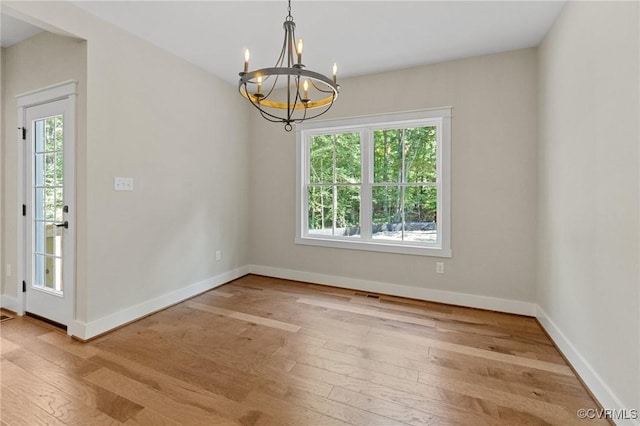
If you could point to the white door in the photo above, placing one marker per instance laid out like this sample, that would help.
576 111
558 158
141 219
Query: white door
49 195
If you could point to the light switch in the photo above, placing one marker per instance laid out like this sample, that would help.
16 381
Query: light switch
122 184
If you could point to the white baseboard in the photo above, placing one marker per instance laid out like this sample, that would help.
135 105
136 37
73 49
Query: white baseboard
449 297
10 303
598 387
91 329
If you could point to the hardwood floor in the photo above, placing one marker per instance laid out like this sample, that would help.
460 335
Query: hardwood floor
263 351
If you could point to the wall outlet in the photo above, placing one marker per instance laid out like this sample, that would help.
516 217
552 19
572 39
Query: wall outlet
8 269
218 255
439 267
122 184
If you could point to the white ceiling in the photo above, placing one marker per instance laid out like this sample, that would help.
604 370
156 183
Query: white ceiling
361 36
13 30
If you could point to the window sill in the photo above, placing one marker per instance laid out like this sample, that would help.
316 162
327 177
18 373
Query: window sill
384 247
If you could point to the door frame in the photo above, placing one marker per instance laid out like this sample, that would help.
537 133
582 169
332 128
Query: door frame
65 90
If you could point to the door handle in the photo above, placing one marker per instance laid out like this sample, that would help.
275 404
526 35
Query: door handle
64 224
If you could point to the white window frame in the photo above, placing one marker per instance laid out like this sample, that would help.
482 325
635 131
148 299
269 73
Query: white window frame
441 117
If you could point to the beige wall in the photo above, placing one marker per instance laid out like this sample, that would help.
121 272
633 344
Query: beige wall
589 246
41 61
180 133
493 179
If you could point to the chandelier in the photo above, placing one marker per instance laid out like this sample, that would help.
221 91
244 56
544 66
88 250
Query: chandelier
308 94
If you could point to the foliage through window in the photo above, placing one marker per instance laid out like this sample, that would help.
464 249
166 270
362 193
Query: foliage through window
376 183
404 192
334 184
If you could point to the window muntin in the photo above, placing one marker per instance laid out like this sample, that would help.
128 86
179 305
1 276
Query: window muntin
376 185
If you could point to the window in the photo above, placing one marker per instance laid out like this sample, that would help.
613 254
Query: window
376 183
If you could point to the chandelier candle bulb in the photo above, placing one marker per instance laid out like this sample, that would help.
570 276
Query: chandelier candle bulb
246 60
259 86
305 86
335 71
300 46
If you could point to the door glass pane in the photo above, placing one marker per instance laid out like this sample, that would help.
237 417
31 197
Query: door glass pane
49 135
39 236
58 132
39 270
38 204
50 240
39 135
59 217
49 272
39 169
48 203
50 168
59 177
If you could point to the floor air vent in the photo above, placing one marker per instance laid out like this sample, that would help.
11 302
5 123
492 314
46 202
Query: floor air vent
371 296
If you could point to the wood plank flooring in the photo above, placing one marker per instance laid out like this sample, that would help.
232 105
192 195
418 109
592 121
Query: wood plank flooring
264 351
